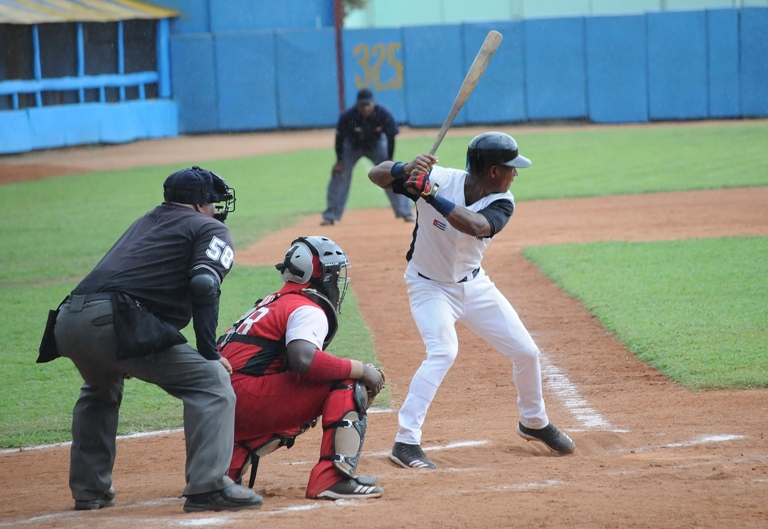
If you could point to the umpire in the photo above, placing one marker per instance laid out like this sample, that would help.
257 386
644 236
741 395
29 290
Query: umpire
123 320
367 129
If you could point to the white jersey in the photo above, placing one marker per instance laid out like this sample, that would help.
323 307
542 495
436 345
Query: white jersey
441 252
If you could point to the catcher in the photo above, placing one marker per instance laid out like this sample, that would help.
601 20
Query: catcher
284 381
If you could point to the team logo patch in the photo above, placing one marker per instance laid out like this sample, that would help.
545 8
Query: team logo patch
440 225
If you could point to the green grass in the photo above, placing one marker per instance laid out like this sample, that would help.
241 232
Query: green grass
596 162
694 309
55 230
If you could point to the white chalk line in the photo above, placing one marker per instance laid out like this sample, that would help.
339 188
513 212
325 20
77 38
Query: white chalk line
704 439
516 487
720 438
449 446
187 521
559 384
136 435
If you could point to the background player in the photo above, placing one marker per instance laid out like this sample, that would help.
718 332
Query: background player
458 214
170 262
284 380
367 129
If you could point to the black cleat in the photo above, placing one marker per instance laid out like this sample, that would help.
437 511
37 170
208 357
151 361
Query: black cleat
351 489
410 456
554 439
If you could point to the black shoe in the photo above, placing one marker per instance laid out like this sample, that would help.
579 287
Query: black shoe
410 456
326 222
553 438
108 500
233 498
351 489
409 218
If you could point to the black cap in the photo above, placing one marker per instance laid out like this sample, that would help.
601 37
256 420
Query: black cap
365 96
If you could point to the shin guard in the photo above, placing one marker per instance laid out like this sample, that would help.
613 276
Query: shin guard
346 428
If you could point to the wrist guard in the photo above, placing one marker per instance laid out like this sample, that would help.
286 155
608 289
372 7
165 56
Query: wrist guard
397 171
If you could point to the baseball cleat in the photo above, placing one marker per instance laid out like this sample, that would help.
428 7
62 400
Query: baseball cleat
108 500
410 456
351 489
232 498
554 439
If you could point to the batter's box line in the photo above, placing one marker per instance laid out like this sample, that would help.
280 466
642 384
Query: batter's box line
449 446
567 392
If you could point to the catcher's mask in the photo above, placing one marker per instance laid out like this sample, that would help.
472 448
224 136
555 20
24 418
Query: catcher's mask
494 148
320 262
199 186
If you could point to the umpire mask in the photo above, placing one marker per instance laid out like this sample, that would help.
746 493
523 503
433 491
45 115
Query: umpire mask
199 186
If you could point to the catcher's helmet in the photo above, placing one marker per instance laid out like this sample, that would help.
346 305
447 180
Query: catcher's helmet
494 148
199 186
320 262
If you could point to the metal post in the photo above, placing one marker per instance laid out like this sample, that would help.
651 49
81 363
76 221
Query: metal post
80 59
338 23
37 65
163 58
120 56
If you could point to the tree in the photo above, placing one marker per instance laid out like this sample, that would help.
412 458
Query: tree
349 5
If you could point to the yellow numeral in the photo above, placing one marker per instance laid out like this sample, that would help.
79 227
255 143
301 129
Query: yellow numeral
380 52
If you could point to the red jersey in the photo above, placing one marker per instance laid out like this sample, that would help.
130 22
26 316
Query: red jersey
258 345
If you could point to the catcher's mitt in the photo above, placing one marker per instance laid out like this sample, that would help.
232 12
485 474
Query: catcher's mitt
371 392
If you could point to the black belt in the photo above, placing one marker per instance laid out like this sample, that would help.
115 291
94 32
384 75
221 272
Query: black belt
474 275
76 301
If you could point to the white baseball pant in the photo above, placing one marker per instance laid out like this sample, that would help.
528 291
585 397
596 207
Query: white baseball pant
436 307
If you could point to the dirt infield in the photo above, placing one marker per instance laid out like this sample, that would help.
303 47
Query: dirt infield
650 453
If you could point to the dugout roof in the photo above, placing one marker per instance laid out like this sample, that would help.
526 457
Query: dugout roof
26 12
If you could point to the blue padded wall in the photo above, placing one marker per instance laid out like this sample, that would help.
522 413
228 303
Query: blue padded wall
193 15
723 60
20 139
307 91
434 71
194 82
499 96
373 58
246 77
616 69
249 15
134 120
66 125
754 65
556 85
45 126
677 65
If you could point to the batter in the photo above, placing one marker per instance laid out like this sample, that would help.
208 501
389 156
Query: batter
458 213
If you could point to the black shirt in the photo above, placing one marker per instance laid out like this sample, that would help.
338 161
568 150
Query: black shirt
364 133
154 258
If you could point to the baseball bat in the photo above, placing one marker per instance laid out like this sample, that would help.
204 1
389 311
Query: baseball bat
479 65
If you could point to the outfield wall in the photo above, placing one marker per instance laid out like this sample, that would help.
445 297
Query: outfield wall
684 65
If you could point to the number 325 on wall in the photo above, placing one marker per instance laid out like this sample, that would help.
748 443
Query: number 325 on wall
371 59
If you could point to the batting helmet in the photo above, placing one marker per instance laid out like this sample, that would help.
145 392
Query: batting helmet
199 186
494 148
320 262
